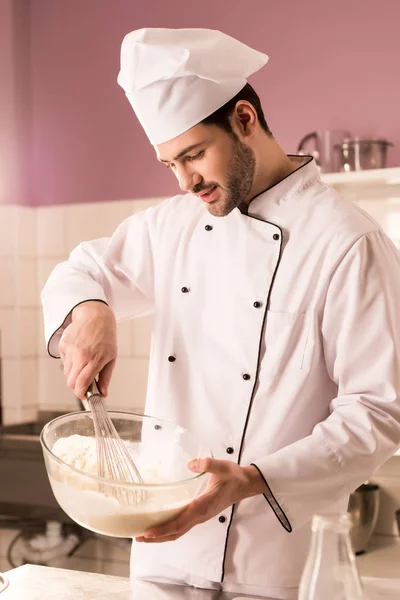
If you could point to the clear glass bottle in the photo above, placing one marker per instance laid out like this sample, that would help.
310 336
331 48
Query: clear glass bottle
330 572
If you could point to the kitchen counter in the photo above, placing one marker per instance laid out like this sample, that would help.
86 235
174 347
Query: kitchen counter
33 582
382 558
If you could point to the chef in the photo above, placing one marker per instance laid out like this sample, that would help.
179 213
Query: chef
277 328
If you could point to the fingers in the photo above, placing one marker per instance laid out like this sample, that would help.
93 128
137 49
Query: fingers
105 377
169 538
67 362
210 465
84 378
88 347
196 512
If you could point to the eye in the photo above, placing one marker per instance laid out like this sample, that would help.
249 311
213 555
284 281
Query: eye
196 156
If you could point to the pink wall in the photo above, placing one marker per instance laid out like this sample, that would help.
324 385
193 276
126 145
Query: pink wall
14 102
332 65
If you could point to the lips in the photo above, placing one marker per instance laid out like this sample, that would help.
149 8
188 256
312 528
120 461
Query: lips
209 195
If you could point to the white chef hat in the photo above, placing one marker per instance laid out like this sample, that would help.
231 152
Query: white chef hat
175 78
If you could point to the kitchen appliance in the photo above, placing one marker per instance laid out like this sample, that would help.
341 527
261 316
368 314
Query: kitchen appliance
356 154
28 494
363 507
320 145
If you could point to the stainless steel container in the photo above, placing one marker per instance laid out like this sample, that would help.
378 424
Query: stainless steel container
356 154
363 507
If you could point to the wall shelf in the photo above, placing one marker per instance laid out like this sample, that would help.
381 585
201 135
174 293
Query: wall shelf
373 177
372 184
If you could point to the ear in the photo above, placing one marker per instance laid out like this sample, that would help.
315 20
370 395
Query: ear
244 119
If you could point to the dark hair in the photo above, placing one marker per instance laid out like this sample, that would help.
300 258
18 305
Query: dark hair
221 116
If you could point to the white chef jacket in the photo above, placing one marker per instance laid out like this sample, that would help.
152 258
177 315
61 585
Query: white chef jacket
276 340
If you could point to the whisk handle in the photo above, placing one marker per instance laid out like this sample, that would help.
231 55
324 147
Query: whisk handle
92 390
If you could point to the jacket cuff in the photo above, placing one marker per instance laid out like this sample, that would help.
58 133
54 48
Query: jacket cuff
55 337
274 504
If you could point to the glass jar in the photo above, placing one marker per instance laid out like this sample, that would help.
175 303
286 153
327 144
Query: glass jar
330 572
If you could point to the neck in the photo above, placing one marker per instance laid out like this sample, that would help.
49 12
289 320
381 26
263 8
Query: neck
272 166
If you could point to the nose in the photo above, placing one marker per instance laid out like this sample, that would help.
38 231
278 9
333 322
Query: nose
186 178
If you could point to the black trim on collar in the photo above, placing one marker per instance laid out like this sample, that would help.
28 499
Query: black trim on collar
253 391
286 176
58 328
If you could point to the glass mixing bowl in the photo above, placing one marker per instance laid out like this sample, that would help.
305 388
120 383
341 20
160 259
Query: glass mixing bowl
161 451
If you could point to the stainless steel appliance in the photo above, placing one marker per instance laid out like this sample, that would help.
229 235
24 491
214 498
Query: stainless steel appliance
356 154
363 507
320 145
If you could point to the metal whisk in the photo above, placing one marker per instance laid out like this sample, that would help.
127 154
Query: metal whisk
114 461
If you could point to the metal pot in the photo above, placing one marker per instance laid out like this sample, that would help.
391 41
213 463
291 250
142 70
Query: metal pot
356 154
320 145
363 507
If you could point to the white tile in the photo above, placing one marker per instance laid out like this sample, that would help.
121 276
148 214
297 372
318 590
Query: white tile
11 383
8 269
142 204
124 338
26 232
26 331
14 414
24 414
9 347
127 390
17 230
141 336
113 214
8 230
53 391
18 332
26 288
51 234
29 413
85 222
20 382
29 387
41 347
44 267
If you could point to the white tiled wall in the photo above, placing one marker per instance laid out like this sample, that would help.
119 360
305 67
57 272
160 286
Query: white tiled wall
18 318
32 242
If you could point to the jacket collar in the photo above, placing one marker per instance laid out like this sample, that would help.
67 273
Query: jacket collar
297 182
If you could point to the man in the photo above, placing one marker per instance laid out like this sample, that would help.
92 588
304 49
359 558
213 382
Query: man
277 328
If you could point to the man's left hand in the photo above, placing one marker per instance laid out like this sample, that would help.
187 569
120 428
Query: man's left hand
228 484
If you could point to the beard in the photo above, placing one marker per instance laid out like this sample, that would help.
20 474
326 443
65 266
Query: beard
241 168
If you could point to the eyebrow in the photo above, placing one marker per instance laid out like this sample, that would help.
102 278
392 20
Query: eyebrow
184 151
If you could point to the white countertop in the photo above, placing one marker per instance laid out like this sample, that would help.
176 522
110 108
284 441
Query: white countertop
379 569
33 582
382 558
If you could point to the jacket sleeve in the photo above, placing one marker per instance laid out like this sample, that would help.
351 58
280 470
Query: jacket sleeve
360 328
117 271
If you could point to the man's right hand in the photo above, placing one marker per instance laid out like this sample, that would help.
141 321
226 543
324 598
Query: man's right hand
88 347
